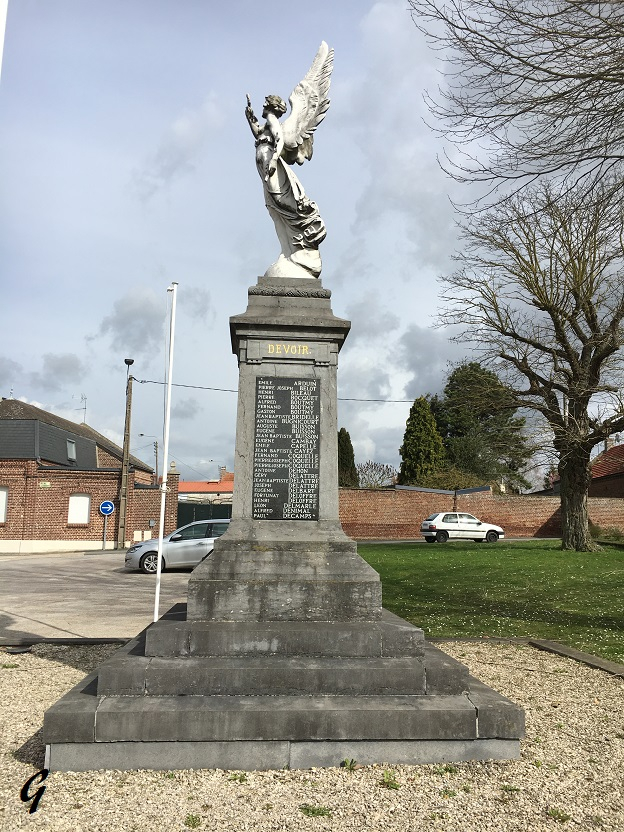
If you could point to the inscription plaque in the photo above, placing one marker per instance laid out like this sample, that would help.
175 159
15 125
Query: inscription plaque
286 449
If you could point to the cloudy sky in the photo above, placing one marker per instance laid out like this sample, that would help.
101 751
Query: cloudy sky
126 163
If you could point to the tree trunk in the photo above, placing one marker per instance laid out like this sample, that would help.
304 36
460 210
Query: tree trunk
575 474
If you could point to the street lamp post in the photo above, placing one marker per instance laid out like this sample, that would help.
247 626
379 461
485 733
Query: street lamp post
125 461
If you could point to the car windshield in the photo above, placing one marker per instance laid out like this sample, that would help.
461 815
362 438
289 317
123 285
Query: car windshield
433 517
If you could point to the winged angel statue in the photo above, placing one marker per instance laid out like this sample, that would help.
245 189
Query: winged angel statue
298 224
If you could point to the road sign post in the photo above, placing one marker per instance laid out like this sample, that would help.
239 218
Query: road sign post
106 509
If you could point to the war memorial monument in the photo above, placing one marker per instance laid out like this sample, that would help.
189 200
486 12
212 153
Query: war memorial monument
284 655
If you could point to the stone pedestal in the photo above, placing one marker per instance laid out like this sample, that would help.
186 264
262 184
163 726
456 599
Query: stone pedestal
284 655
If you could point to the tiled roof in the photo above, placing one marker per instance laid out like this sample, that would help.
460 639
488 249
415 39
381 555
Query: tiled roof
221 487
15 409
609 462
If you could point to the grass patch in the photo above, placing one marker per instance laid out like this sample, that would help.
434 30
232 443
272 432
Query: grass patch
315 811
528 589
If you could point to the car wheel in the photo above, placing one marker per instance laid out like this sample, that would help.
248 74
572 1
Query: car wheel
430 540
442 537
149 563
491 537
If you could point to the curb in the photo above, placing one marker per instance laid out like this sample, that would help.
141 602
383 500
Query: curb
607 666
68 642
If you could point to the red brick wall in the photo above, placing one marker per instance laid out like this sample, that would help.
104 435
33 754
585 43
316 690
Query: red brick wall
107 460
16 475
38 503
146 506
397 515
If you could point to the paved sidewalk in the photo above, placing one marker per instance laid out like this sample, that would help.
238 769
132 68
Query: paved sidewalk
80 595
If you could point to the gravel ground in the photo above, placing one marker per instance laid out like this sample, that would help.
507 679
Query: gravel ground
571 774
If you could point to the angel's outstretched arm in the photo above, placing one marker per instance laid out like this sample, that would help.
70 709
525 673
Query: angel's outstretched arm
252 120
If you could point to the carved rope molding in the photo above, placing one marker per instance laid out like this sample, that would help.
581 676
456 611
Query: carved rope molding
289 293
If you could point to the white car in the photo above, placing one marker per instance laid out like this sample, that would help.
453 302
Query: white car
457 525
186 546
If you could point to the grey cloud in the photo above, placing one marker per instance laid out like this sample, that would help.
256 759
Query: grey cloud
406 185
368 381
58 370
427 354
186 409
10 373
196 302
378 443
370 319
135 325
387 442
179 149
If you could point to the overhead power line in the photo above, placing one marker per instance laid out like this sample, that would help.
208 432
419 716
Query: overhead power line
229 390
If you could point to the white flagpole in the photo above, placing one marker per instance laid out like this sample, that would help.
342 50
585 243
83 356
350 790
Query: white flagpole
163 488
4 7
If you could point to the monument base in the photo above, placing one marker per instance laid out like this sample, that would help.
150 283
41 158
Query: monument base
253 695
284 656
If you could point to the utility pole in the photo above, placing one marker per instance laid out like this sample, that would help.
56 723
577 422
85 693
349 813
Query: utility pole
151 436
125 461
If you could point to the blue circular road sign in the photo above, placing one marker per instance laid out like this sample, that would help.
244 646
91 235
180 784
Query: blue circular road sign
106 508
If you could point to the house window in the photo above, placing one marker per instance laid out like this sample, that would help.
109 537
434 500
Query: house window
71 450
79 508
4 497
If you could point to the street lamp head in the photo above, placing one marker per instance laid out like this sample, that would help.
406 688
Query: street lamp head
129 361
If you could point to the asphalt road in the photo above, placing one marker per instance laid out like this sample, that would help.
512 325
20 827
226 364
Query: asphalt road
80 595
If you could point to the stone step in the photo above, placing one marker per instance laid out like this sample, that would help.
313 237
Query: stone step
231 718
81 716
391 637
264 676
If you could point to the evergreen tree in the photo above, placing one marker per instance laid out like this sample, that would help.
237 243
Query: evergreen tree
347 472
422 451
477 421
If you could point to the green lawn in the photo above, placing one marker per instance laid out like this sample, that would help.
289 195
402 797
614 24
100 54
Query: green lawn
526 589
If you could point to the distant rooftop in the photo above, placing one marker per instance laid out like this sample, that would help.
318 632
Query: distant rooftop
224 485
15 409
609 462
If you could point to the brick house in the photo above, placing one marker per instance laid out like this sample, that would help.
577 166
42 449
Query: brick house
208 491
608 473
54 474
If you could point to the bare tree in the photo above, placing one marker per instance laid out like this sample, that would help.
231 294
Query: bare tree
540 84
376 474
540 290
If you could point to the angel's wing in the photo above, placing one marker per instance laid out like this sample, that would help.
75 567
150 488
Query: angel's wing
308 105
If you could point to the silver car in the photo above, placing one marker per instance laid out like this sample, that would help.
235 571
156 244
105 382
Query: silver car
186 546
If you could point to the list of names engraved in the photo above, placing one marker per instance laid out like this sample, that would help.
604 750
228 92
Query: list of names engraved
286 449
